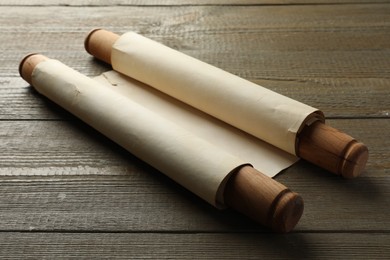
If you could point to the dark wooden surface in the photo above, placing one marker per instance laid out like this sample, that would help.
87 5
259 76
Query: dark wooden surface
67 191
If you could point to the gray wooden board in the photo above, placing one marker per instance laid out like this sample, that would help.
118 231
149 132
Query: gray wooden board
194 246
177 3
67 191
271 42
308 52
65 176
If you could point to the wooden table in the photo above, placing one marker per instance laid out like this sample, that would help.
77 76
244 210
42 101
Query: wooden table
67 191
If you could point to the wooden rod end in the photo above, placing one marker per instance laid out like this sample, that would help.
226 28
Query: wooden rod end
263 199
99 42
354 161
288 211
27 65
333 150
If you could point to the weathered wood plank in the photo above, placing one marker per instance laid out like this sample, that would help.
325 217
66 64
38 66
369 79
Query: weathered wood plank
179 3
64 176
307 61
195 246
301 59
272 42
66 191
153 203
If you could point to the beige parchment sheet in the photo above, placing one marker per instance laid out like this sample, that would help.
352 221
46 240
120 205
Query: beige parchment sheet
266 158
267 115
190 120
194 163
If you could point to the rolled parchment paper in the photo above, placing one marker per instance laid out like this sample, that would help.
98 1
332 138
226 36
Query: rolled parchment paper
190 161
265 114
266 158
208 171
290 125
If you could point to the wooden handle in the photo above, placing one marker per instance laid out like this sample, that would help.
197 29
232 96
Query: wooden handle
333 150
28 64
263 199
248 191
98 43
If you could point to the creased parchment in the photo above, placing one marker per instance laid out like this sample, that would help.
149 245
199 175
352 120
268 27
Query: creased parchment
189 160
190 120
264 157
256 110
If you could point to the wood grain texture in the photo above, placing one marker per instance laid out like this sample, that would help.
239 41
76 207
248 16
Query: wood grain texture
178 3
272 42
195 246
66 176
311 50
67 191
306 52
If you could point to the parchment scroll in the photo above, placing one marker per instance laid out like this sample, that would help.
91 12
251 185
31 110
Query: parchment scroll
189 160
267 115
190 120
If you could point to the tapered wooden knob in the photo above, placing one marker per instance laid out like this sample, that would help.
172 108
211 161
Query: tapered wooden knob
28 64
263 199
99 43
333 150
